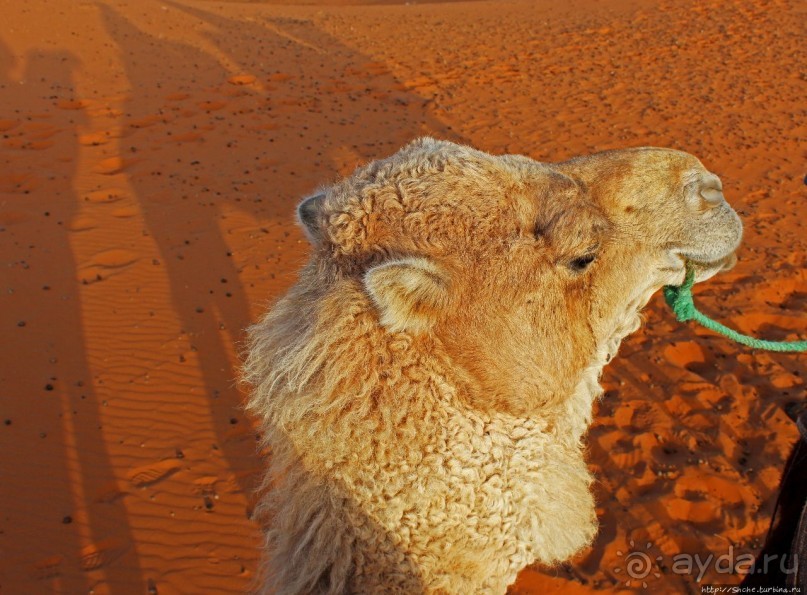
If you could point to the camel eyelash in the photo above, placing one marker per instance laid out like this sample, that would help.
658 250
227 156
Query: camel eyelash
580 264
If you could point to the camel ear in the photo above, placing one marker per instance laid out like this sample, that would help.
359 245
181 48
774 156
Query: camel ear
309 215
576 233
410 293
569 224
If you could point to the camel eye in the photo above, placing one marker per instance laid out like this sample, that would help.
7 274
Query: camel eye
579 265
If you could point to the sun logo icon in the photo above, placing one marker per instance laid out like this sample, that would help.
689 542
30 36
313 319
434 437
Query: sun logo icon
638 565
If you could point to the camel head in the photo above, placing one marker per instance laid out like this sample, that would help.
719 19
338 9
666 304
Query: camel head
525 274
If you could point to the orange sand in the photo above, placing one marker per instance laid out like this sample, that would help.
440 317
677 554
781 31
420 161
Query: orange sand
151 154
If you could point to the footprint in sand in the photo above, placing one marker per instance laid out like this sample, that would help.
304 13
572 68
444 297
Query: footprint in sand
7 125
18 183
211 106
125 212
115 258
108 195
106 263
241 79
102 553
71 104
109 492
667 543
149 474
146 121
280 77
234 481
210 485
205 486
48 567
683 354
23 144
42 131
627 461
698 512
694 485
82 223
95 139
113 165
186 137
239 433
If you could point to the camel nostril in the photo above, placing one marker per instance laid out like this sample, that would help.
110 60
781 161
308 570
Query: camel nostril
712 196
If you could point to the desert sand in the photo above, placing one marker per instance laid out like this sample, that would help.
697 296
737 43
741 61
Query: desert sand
152 153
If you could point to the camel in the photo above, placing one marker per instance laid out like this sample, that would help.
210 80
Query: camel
425 387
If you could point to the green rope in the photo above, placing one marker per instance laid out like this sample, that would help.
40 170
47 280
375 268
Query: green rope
681 302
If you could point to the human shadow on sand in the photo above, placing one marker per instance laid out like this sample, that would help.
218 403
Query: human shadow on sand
304 107
57 534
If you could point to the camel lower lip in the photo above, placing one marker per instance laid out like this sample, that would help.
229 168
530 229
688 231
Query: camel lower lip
729 259
722 262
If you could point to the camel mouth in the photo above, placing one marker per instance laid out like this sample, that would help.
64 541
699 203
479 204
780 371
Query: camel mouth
715 251
708 268
723 263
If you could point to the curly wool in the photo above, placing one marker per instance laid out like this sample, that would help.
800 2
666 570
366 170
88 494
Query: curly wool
384 466
425 387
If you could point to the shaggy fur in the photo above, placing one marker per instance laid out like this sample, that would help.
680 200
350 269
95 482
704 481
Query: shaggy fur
426 385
